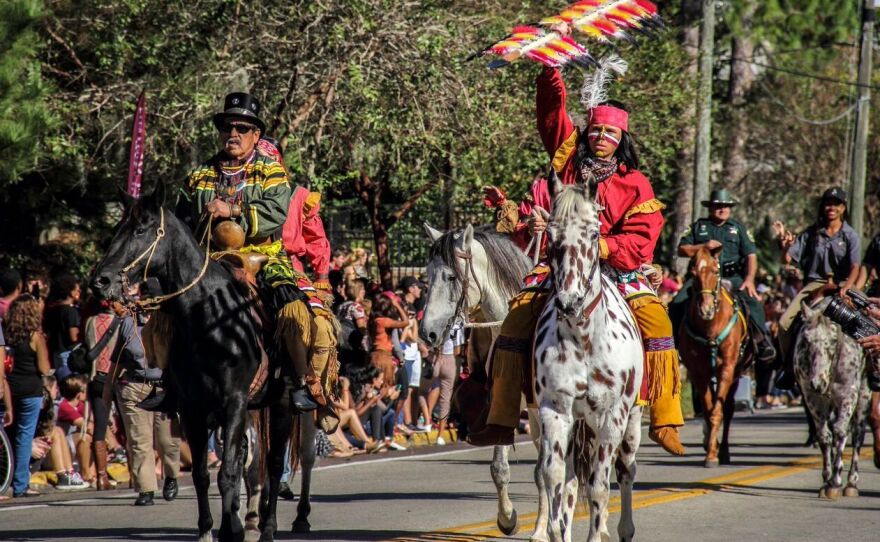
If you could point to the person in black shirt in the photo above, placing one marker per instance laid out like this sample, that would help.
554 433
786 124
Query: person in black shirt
63 321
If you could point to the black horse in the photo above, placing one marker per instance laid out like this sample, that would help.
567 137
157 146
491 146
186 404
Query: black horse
214 355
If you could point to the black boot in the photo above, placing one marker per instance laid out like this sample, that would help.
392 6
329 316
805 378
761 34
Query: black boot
145 498
873 370
765 354
301 400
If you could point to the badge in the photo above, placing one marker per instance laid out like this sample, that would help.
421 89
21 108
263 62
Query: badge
749 235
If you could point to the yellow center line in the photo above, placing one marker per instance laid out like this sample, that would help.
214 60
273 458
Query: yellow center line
641 499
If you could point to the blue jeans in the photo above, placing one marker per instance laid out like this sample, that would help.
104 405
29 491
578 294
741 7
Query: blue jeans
27 412
285 476
61 369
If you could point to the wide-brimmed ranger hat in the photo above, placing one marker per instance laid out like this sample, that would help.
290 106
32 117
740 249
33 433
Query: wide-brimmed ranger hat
720 197
835 193
240 106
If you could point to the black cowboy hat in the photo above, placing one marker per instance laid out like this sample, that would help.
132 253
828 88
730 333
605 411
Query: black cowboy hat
720 197
835 192
243 106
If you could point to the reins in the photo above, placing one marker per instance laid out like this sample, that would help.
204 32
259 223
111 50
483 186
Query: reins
153 303
714 342
460 311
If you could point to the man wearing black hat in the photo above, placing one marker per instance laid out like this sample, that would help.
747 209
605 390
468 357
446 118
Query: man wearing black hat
738 260
829 250
252 190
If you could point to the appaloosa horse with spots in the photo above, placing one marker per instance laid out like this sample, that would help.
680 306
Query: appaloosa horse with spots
711 342
589 372
830 369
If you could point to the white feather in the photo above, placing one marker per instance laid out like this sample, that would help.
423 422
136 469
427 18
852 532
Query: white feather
595 88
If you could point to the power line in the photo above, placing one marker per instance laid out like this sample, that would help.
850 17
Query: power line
802 74
798 116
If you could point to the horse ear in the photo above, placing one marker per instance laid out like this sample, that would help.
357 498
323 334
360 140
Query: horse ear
127 200
554 184
156 199
467 238
432 233
715 252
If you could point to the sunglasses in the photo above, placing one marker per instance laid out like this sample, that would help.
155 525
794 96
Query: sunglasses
240 128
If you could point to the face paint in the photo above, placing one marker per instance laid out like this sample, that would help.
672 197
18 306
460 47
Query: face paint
599 134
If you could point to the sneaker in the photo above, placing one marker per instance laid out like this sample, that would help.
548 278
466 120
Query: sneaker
423 428
441 441
70 481
395 446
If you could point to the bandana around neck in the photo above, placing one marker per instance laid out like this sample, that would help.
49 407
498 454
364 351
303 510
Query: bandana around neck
597 170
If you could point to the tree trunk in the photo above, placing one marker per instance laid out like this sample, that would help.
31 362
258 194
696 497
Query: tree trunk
742 79
681 218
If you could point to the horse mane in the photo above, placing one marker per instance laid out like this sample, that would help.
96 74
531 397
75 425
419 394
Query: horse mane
574 202
507 276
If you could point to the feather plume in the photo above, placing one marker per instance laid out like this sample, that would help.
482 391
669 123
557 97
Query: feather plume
595 88
604 21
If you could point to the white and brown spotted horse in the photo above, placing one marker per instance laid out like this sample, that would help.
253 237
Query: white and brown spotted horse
830 369
589 371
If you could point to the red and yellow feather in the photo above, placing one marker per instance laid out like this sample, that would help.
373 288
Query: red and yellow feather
604 21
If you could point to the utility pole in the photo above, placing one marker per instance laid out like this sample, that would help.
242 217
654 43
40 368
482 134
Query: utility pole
704 108
863 114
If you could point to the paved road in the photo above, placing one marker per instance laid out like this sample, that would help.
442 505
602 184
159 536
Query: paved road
769 494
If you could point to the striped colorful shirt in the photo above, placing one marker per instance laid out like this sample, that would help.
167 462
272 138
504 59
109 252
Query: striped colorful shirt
260 186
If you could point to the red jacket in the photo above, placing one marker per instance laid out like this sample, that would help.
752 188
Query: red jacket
631 219
303 234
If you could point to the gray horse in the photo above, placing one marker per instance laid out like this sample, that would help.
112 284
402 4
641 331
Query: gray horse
830 368
473 274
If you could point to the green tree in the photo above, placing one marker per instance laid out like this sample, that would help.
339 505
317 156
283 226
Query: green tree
24 113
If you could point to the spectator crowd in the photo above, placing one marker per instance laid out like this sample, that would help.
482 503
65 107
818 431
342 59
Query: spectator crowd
75 370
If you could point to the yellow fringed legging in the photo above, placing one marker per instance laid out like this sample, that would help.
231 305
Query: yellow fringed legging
513 352
309 337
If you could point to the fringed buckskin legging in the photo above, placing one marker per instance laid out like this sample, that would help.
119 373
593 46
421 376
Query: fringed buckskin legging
513 352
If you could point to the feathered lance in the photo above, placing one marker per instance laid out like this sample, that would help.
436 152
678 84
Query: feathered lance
138 142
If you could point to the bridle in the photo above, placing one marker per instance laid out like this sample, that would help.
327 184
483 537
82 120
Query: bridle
716 291
153 303
462 303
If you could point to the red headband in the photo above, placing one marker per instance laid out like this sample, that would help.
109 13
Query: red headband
610 116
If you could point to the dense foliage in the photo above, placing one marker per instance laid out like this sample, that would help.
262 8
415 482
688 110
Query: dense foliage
381 90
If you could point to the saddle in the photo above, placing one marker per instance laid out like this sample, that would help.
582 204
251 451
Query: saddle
228 237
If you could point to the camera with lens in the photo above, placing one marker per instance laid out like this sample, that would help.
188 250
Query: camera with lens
853 321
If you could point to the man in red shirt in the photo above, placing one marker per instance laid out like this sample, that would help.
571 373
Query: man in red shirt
631 222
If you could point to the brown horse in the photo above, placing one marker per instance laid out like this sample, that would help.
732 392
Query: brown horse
711 341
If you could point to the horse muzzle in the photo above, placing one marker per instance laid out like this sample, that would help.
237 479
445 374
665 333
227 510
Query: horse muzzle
570 307
707 308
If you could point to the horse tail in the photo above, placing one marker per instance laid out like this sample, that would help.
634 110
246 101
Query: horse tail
260 421
581 435
295 442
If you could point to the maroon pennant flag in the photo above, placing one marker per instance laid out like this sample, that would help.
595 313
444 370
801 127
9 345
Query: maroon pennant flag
138 142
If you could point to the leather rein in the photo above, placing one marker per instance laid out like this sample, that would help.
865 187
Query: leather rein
153 303
460 305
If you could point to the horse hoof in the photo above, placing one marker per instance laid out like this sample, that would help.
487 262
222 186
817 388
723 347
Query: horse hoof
877 460
724 459
514 525
301 526
829 493
711 463
206 537
850 491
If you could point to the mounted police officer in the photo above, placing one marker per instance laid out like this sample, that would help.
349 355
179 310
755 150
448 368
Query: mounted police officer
739 264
